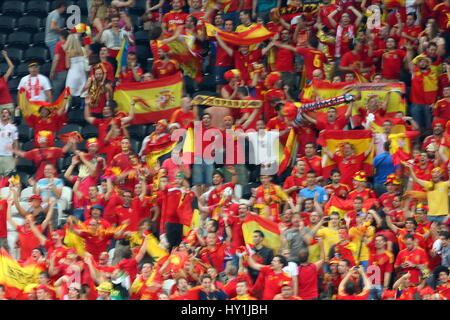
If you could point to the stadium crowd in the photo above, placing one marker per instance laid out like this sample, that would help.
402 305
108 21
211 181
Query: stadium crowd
100 223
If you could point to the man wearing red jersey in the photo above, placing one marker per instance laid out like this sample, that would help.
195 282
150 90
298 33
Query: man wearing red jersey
442 12
286 292
313 58
163 66
48 120
352 61
174 18
312 160
296 181
122 160
441 108
349 163
412 260
391 59
335 187
213 254
131 73
382 260
270 278
246 61
183 116
438 127
411 31
345 30
360 190
332 121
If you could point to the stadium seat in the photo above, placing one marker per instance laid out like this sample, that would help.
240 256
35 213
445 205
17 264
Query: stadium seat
7 24
29 23
82 146
15 54
40 54
3 38
69 128
20 39
45 69
3 68
27 146
26 194
149 129
38 8
142 38
25 165
26 133
137 132
136 22
59 143
63 163
89 131
76 116
13 84
13 8
138 8
21 70
39 40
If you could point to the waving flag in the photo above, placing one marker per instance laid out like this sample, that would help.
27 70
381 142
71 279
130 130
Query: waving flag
29 108
288 152
16 277
248 37
400 148
121 57
334 141
155 99
272 238
341 206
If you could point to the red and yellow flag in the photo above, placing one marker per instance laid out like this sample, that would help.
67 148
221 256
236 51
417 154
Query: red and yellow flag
272 238
16 277
248 37
155 100
334 141
288 152
29 108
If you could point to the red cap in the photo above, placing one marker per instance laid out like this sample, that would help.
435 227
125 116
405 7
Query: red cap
35 197
442 122
165 48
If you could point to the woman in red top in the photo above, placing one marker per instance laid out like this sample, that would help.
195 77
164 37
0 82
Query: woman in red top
5 97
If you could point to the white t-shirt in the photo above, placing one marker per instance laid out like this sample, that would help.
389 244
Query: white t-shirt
8 134
37 93
112 40
265 147
291 269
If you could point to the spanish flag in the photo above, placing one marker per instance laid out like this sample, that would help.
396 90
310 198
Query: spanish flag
155 100
153 249
16 277
337 204
72 240
121 57
334 141
248 37
399 126
400 148
29 108
288 152
188 146
272 238
154 155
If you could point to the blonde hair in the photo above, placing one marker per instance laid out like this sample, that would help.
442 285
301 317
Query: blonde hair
73 46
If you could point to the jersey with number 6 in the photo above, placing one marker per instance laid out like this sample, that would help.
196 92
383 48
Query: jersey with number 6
314 59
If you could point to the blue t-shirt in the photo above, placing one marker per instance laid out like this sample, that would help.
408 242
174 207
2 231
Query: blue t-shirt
384 166
307 193
44 190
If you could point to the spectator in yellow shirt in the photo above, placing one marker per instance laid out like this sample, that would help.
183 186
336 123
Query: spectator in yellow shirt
437 194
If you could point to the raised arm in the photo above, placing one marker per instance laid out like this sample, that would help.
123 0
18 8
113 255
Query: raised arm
8 215
49 215
36 232
10 69
224 46
140 255
21 210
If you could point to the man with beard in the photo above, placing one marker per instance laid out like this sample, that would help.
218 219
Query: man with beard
438 126
99 89
164 66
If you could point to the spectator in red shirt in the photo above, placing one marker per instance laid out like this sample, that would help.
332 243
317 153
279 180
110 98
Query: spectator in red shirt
163 66
99 90
348 162
441 108
333 121
391 59
174 18
308 275
347 288
131 73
